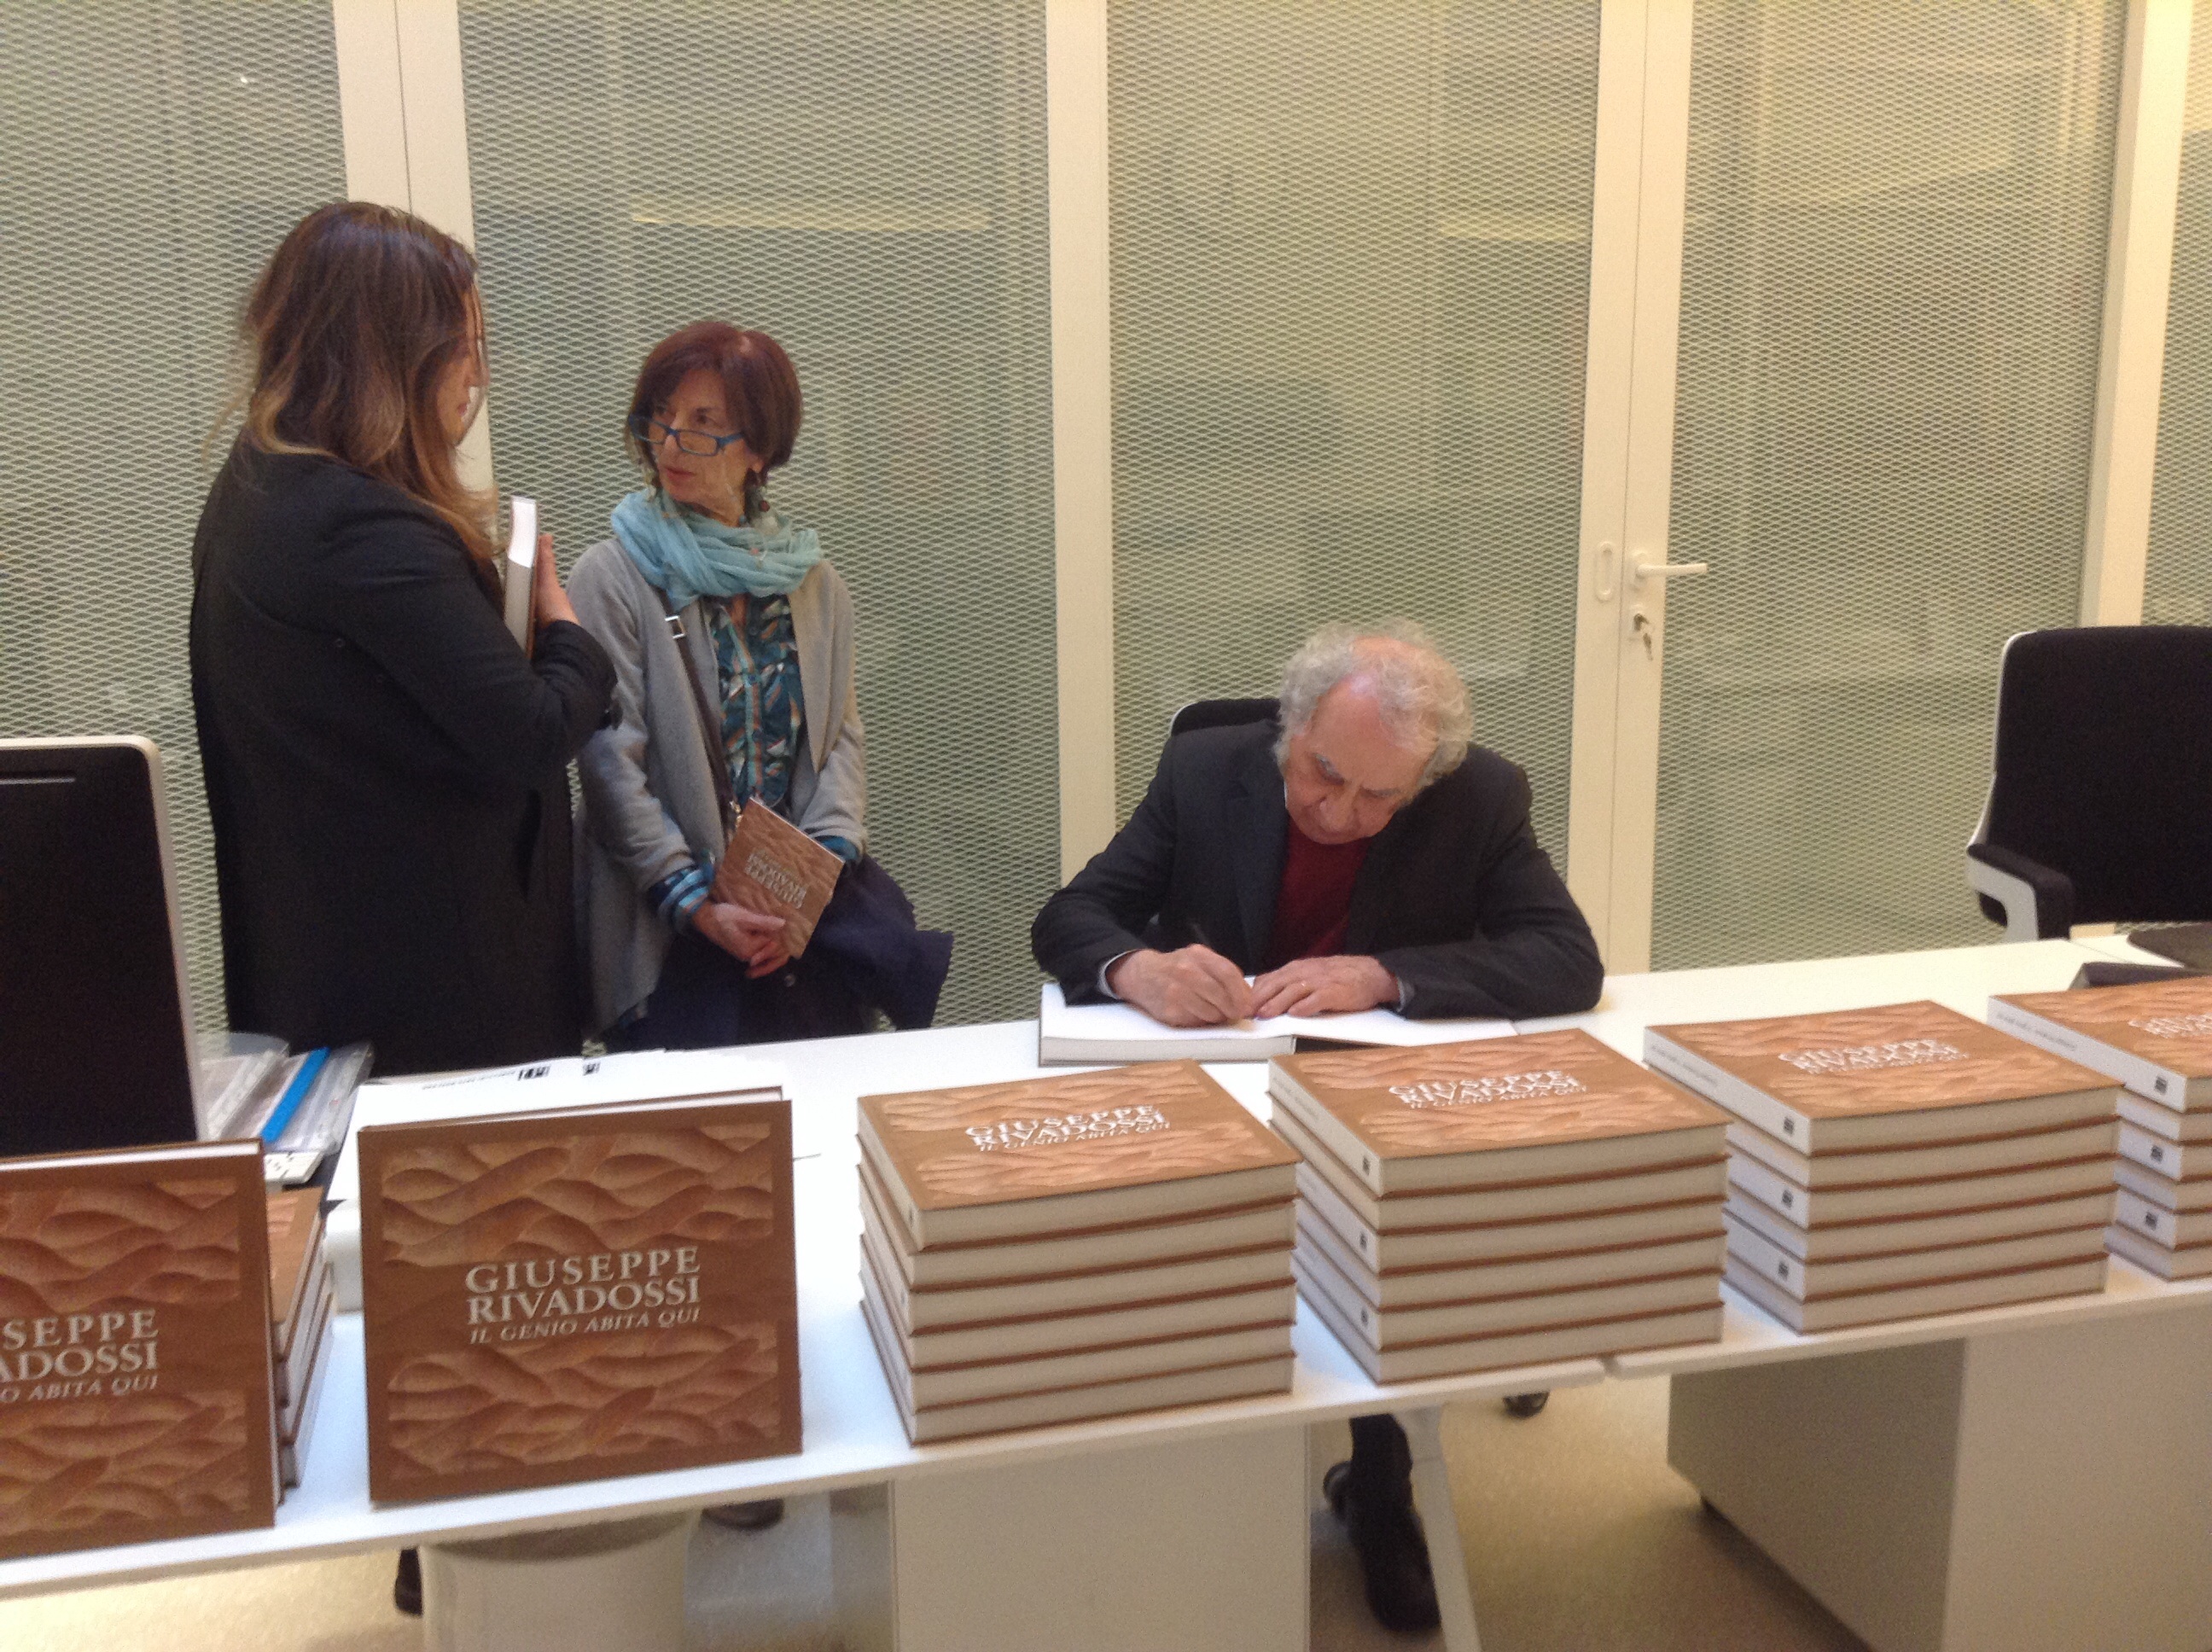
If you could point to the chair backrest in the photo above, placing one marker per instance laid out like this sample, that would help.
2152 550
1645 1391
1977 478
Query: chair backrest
1221 713
2103 767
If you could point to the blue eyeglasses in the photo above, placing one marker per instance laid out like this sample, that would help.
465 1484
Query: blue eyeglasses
700 444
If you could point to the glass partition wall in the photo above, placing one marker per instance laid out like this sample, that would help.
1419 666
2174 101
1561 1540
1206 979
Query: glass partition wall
1351 311
152 155
1892 287
2177 570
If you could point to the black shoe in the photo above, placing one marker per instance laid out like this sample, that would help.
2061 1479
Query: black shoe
1393 1550
755 1516
407 1587
1527 1405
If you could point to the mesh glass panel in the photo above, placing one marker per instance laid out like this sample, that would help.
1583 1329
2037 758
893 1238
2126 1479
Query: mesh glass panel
2178 577
151 157
867 183
1350 252
1892 294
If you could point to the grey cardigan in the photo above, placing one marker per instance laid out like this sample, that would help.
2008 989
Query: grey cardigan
649 802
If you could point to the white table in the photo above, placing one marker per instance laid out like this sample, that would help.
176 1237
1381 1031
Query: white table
2029 1479
1113 1534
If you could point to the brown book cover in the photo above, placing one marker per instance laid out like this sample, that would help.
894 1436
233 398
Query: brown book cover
2155 1038
567 1296
296 1232
1122 1131
770 865
1851 1079
135 1399
1491 1099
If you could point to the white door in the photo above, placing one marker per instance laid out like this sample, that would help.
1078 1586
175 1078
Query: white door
1868 305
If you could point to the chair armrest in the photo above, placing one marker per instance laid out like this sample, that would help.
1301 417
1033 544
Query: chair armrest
2034 901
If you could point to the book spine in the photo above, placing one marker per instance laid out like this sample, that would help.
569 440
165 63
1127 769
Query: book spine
2170 1229
1777 1192
1334 1134
906 1210
2167 1157
1753 1106
521 565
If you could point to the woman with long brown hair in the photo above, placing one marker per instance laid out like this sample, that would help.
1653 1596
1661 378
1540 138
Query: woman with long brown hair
385 768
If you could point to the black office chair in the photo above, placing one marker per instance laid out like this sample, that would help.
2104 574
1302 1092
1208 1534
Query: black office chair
2101 798
1221 713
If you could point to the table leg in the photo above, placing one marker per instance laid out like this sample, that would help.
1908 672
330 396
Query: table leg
2030 1490
617 1587
1432 1499
1197 1545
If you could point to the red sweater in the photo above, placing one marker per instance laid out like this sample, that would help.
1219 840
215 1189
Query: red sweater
1313 902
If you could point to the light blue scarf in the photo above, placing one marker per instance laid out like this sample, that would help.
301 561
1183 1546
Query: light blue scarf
688 555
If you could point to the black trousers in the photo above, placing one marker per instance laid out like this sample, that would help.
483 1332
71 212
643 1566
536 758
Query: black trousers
705 1000
1381 1463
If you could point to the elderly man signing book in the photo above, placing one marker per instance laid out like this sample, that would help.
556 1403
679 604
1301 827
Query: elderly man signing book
1357 852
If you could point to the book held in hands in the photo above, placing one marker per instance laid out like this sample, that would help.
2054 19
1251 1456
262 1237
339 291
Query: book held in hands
1900 1161
1510 1201
135 1398
573 1294
1057 1249
519 603
770 866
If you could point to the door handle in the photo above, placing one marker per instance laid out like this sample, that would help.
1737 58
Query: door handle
1606 578
1666 570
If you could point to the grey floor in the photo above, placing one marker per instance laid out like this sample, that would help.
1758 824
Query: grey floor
1579 1539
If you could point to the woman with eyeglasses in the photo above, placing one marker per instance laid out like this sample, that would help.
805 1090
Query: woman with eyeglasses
387 769
731 636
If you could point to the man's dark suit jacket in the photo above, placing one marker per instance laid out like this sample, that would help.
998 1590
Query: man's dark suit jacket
1455 898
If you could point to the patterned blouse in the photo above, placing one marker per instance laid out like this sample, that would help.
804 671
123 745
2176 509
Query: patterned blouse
764 726
764 716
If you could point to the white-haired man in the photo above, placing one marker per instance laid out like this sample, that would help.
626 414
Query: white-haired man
1356 851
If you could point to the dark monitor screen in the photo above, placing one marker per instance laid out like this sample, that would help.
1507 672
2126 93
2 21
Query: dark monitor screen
95 1046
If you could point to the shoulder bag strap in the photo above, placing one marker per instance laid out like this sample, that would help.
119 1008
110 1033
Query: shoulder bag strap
718 761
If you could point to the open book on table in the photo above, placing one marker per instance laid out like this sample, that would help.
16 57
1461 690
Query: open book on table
1068 1034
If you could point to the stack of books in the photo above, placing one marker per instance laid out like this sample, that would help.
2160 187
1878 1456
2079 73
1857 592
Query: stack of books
1512 1201
1063 1248
300 1301
1893 1163
2156 1040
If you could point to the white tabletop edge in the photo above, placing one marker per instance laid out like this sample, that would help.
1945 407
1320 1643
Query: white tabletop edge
1750 1337
320 1521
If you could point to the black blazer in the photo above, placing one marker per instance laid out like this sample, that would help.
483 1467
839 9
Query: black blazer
1455 898
386 773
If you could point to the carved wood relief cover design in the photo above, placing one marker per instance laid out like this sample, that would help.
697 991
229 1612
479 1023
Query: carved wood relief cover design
131 1364
1093 1130
552 1301
1494 1093
67 1248
485 1409
1893 1058
465 1201
70 1467
2168 1022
